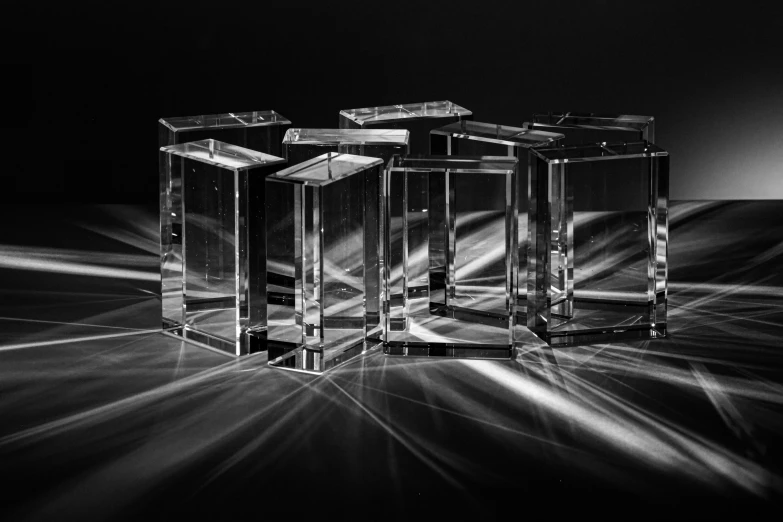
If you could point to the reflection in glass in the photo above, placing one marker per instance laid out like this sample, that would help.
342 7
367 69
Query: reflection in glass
472 258
303 144
419 119
223 255
325 259
582 128
257 130
480 201
599 242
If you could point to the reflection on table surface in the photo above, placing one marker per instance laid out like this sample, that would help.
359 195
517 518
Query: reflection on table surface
104 417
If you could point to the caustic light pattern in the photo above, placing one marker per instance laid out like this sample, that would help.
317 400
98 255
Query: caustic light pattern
98 403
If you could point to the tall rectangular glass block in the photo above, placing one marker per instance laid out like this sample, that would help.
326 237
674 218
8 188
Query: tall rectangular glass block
223 278
303 144
481 203
583 128
419 119
597 269
324 260
261 131
472 281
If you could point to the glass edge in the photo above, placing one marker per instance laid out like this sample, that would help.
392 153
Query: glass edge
167 149
282 120
602 158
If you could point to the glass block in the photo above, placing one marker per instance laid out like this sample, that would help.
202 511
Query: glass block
261 131
223 241
583 128
419 119
469 309
597 267
480 200
303 144
324 260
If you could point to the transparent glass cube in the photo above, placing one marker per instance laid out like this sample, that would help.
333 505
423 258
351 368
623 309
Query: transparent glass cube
223 276
303 144
471 138
419 119
471 254
597 268
324 260
261 131
583 128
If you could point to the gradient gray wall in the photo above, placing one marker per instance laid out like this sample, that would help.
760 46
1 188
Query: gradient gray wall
712 77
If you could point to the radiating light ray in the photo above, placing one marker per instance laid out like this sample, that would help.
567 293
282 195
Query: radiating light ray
99 297
677 451
114 409
721 400
72 255
679 377
399 438
158 458
673 355
143 223
466 416
73 323
721 292
620 434
594 352
699 456
33 259
723 353
245 452
67 330
136 240
681 211
727 318
496 253
758 379
39 344
70 370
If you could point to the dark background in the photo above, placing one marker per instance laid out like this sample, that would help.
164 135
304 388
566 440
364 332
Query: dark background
85 83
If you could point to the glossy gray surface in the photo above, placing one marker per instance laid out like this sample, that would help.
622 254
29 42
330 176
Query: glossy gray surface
103 417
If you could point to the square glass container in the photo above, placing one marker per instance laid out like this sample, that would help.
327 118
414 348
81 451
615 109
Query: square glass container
597 269
471 138
324 259
584 128
470 255
223 275
261 131
303 144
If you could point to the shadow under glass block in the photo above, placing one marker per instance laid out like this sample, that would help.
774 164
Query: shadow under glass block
481 202
223 256
324 258
260 131
303 144
598 262
583 128
471 259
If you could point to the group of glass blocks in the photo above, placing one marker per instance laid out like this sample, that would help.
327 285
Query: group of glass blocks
413 227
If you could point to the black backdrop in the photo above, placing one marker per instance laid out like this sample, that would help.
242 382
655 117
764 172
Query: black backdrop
85 83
